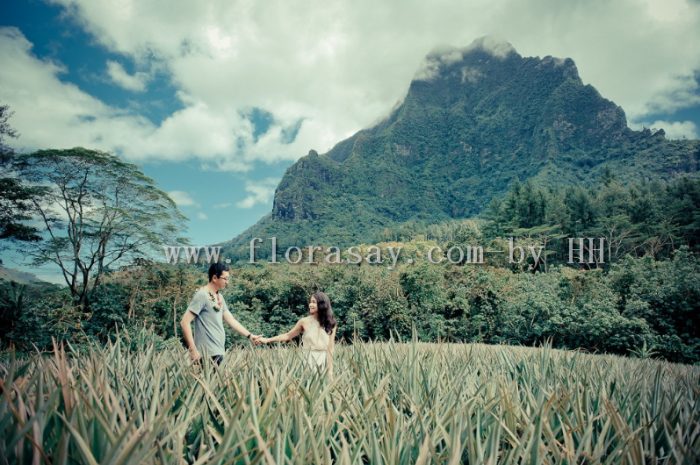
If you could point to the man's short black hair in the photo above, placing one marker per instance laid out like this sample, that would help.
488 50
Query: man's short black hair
216 269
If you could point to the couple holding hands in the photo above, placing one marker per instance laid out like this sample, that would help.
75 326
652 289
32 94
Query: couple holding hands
208 311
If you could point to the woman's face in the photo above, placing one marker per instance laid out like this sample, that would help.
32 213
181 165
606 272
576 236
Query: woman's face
313 307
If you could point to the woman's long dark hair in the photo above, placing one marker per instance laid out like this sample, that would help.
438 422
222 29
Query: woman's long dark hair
324 312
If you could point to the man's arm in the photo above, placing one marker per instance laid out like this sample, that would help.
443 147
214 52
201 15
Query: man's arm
237 326
186 325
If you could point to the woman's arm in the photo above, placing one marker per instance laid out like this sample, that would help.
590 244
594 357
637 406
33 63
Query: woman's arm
331 347
288 336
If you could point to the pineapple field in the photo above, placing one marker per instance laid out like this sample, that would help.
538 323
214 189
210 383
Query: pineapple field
135 401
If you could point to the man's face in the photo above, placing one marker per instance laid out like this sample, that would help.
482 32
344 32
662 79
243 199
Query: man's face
222 281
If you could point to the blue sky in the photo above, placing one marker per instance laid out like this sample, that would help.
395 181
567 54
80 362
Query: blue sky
214 100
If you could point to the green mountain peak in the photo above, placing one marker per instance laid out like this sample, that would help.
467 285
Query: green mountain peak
473 121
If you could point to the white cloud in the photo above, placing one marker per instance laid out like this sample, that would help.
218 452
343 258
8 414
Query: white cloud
673 129
182 199
680 92
220 206
447 55
50 113
261 192
118 75
202 216
499 48
666 10
338 66
471 75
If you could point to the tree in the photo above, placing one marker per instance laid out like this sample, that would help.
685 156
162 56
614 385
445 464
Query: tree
15 197
5 131
98 211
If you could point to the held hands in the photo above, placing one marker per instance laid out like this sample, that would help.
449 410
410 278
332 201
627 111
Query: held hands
259 339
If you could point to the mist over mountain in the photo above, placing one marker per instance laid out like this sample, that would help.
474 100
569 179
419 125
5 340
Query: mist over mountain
473 121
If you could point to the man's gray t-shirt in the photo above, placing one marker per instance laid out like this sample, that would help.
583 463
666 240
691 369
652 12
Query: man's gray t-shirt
209 335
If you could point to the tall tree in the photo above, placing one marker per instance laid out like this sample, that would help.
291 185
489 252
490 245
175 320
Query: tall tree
15 197
5 131
99 211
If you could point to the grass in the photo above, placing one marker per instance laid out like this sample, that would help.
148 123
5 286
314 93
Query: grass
389 403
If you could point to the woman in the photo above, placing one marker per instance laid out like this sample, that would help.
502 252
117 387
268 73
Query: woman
317 330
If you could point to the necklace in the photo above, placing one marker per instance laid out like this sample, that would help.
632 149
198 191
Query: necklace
215 301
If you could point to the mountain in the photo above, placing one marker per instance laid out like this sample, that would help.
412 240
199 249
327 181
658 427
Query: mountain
473 121
20 277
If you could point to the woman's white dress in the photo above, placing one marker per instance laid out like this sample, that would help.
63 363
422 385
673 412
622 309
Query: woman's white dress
314 342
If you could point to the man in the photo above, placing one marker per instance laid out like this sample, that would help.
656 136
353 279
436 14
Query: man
209 311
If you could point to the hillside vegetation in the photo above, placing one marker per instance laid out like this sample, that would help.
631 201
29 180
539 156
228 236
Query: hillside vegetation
472 123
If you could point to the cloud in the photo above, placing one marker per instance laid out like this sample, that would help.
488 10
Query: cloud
495 46
50 113
135 82
680 92
673 129
337 67
261 192
220 206
182 199
202 216
445 55
232 42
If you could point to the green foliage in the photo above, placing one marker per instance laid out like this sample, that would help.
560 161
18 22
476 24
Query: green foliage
15 209
110 213
652 219
109 307
639 305
666 295
15 196
31 315
644 299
